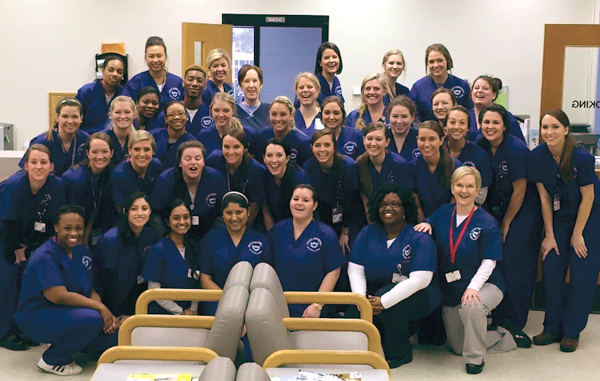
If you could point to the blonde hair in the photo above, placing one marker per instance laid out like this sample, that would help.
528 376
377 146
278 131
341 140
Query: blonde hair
360 122
311 77
124 99
139 136
386 57
217 54
282 99
466 170
228 98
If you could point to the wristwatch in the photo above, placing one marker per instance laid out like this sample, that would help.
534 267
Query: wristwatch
318 306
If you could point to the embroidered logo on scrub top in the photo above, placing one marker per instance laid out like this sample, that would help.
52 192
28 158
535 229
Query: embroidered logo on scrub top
416 153
391 178
313 244
206 121
230 92
349 148
458 91
211 200
338 91
503 167
293 154
406 252
194 275
174 93
475 234
87 262
255 247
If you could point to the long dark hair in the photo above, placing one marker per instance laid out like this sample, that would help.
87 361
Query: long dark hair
126 235
366 185
336 167
291 170
324 46
191 248
493 107
445 166
565 167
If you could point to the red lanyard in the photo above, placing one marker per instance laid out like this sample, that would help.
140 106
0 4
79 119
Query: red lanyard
453 247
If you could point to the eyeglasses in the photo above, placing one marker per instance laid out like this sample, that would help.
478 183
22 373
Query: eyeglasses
179 114
393 205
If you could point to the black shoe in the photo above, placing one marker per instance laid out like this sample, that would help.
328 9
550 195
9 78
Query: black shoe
13 343
521 338
26 340
474 368
398 362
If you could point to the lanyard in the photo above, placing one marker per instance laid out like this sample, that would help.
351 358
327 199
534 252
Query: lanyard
453 247
73 147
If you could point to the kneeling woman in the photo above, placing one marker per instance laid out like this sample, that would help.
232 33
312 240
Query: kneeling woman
58 304
222 248
470 243
173 262
119 258
305 253
393 266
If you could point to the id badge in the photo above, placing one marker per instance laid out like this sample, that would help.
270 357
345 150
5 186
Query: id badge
397 278
336 215
556 202
195 220
39 227
453 276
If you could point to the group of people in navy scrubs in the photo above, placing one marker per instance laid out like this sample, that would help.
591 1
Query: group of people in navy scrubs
426 201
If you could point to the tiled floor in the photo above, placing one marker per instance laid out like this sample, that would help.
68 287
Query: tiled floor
537 363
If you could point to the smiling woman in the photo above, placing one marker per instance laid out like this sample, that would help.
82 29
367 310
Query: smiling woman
372 108
168 140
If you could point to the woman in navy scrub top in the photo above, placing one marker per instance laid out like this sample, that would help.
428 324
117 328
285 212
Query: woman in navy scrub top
65 140
169 139
305 253
252 112
224 247
148 105
394 266
243 173
442 100
139 171
372 108
349 140
403 138
191 180
378 166
514 201
469 244
280 179
438 63
393 65
173 262
87 185
95 97
122 116
570 195
468 153
307 117
218 63
58 304
31 197
170 86
432 170
119 258
485 91
281 119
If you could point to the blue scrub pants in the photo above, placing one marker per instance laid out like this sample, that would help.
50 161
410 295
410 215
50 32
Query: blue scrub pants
519 267
69 330
568 305
10 276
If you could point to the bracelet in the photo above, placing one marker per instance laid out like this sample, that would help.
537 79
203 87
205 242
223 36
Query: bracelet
318 306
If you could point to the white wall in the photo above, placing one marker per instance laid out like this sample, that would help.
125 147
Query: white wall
49 46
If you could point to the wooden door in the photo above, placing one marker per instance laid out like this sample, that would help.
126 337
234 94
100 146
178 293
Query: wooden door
199 39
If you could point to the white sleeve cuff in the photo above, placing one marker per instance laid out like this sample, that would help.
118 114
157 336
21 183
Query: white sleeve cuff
358 281
417 280
168 305
483 273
